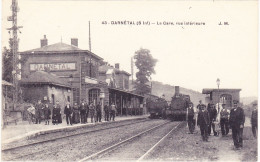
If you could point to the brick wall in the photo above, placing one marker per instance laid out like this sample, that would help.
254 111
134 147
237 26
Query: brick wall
32 93
82 59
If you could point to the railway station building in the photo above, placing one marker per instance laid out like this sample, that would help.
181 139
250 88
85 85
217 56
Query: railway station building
79 70
222 96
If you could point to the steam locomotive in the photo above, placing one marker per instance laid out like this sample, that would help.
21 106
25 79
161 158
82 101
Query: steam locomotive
156 107
178 106
175 111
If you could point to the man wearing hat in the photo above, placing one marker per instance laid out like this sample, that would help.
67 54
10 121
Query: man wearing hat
190 118
224 116
212 118
237 120
254 120
106 109
203 122
199 106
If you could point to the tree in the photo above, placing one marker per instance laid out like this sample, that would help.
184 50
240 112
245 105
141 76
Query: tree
145 63
7 66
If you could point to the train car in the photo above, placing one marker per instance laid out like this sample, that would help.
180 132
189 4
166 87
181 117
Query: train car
178 106
156 107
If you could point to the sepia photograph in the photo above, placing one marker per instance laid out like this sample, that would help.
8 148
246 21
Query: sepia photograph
122 80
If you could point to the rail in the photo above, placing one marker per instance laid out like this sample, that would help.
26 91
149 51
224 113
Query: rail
71 135
120 143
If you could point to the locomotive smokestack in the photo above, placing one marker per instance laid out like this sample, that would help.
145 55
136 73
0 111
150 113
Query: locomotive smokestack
177 90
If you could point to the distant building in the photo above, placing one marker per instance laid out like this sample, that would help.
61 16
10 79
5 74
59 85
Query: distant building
127 103
222 96
114 76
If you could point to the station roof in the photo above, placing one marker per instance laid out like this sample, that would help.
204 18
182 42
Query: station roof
59 48
209 90
5 83
128 92
42 77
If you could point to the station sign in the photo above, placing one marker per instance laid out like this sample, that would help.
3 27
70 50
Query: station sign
90 80
53 66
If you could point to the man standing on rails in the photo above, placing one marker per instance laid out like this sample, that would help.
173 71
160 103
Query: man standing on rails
203 122
190 118
237 120
200 105
254 120
224 116
212 118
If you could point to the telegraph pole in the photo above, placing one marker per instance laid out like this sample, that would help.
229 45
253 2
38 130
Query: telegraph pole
14 46
132 70
89 41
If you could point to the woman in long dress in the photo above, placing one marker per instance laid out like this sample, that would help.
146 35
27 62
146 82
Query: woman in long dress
76 117
56 114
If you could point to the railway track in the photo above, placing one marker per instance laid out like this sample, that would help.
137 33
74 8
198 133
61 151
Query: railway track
61 137
108 149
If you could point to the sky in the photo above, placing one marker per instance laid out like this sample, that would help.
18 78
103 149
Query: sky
190 56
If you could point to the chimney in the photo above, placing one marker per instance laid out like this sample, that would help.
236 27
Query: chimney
177 90
74 42
117 66
44 41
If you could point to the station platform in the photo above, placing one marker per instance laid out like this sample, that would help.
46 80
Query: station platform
24 130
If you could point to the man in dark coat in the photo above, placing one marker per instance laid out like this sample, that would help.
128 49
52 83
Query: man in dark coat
98 107
83 112
113 112
47 114
237 120
203 122
68 113
254 120
87 111
190 118
224 124
38 111
200 105
92 111
212 117
106 109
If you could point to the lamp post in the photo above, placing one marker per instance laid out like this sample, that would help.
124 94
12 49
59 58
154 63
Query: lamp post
218 83
70 80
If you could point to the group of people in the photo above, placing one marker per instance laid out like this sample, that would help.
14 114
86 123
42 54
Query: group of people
209 118
74 114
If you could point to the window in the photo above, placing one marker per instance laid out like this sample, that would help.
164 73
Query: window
126 86
94 95
68 98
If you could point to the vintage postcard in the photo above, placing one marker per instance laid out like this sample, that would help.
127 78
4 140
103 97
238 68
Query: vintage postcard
129 80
